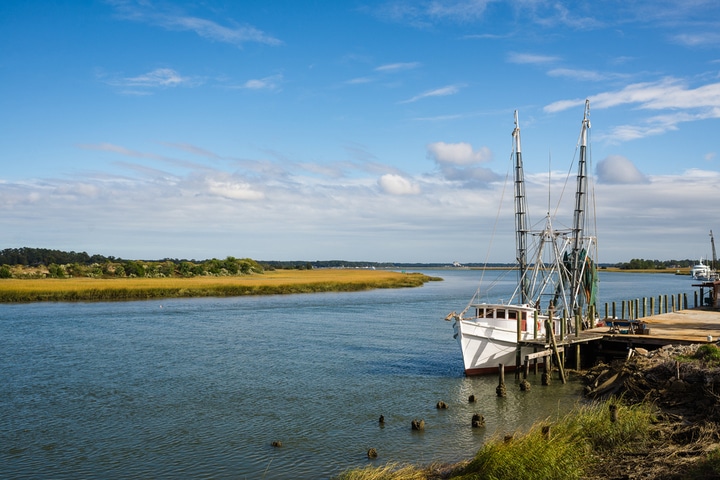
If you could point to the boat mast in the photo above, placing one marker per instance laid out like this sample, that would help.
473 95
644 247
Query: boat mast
580 207
714 258
520 214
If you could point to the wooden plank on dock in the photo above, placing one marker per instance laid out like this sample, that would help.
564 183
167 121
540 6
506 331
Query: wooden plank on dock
544 353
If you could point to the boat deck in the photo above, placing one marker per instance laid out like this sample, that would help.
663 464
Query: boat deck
583 337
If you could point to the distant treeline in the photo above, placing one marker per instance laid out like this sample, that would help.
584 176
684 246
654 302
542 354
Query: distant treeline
642 264
33 257
43 262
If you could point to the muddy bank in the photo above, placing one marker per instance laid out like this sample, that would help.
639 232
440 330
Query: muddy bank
683 383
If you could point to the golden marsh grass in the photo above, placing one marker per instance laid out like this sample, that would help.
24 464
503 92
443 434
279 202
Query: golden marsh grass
269 283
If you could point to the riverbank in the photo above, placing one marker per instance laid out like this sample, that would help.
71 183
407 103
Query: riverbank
655 416
269 283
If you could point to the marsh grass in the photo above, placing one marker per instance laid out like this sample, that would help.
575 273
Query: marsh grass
390 471
269 283
567 451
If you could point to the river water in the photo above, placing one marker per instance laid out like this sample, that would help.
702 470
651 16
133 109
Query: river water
201 387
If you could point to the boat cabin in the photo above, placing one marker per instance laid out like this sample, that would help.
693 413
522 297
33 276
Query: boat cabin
505 312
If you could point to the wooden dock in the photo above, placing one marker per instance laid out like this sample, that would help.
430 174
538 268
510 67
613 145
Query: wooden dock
697 325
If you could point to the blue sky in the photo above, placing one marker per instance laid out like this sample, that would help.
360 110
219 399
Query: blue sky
358 130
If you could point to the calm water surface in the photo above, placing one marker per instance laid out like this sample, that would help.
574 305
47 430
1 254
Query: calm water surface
201 387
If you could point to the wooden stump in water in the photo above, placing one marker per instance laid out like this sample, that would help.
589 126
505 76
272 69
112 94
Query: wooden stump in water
478 421
500 390
613 413
524 385
418 425
471 399
441 405
372 453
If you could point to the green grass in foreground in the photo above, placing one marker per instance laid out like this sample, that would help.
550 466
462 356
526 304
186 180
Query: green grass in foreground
567 451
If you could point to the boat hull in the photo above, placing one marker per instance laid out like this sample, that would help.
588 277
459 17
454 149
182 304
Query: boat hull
486 346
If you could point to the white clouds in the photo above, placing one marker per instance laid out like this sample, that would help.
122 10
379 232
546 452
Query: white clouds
667 93
616 169
530 58
209 212
398 185
696 39
424 13
458 153
141 11
459 162
160 77
267 83
146 83
397 67
233 189
582 75
684 104
438 92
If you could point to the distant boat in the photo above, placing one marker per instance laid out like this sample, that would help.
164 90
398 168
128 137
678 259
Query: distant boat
702 272
557 279
706 273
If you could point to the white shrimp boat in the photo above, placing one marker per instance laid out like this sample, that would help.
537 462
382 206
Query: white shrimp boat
557 281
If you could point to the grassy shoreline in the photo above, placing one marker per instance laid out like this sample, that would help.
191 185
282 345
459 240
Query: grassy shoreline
270 283
654 415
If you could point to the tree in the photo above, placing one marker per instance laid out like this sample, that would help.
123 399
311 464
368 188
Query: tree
5 272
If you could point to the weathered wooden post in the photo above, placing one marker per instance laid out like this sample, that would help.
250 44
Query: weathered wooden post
500 390
535 324
518 351
685 301
695 299
613 310
578 363
578 323
555 349
545 379
672 302
613 413
644 307
606 310
563 332
667 305
652 306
